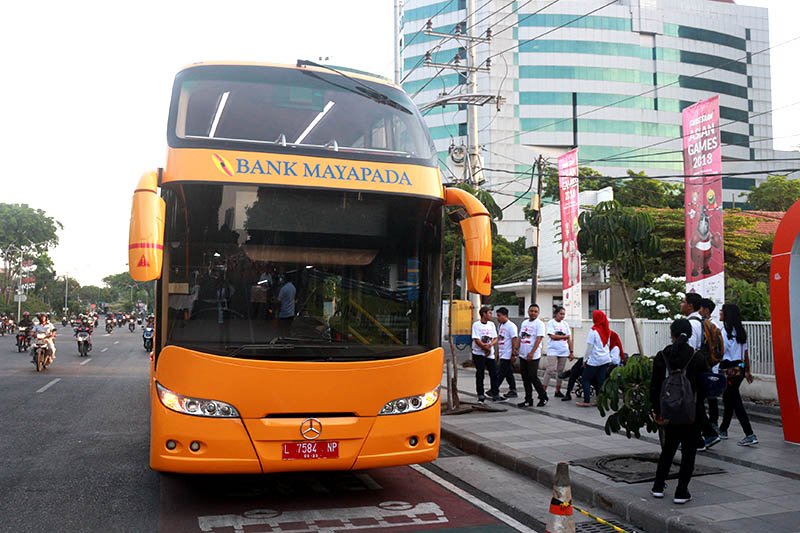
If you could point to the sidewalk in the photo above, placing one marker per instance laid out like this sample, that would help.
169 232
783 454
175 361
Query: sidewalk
759 491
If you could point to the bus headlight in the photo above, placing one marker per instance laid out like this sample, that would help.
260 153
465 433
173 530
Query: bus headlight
411 404
195 406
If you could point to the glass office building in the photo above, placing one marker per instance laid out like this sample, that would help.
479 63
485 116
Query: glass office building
613 82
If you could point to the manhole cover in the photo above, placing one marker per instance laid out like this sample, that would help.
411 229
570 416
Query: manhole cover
637 468
597 527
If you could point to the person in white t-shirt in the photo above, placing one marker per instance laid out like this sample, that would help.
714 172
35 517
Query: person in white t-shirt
507 351
597 356
559 348
484 338
736 365
531 336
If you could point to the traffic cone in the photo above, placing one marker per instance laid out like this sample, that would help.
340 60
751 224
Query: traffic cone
561 519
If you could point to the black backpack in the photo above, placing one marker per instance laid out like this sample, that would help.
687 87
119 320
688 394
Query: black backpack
678 401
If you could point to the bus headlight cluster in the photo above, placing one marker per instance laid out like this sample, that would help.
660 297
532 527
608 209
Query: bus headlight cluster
411 404
195 406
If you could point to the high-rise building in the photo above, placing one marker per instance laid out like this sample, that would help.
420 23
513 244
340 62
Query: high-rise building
611 78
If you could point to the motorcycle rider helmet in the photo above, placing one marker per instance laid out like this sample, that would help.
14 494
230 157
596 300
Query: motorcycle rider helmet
26 314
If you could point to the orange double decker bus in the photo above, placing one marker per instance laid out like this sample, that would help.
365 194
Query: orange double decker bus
295 235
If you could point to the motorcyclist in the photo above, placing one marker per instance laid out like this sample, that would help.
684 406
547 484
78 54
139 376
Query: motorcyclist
86 326
26 321
44 326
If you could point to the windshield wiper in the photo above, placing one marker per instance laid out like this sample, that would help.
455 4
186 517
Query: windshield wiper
360 88
237 352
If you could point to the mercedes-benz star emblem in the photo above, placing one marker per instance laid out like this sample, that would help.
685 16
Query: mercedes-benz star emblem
311 428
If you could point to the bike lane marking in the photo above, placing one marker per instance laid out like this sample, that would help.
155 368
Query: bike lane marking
477 502
384 499
49 385
86 361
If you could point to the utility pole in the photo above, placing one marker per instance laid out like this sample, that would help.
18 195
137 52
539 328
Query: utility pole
398 41
66 292
536 207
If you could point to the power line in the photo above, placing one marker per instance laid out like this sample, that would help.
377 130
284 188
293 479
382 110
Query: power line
552 29
408 43
685 135
613 104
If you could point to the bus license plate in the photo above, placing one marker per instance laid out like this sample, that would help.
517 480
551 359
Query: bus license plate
311 450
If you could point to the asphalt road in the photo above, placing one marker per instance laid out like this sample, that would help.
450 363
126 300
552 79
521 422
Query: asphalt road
74 457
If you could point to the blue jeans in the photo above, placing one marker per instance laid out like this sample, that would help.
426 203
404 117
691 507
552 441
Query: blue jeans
596 374
483 364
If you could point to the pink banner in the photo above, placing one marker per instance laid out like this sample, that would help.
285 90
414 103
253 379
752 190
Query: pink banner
570 258
702 163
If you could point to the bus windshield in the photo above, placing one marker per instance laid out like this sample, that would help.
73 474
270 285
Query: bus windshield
297 110
302 275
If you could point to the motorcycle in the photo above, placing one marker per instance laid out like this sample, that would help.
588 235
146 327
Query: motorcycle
23 339
2 328
41 352
64 321
84 342
147 336
109 326
11 327
131 325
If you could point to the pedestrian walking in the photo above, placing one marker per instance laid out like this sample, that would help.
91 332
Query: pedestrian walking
559 348
597 356
707 307
690 306
484 338
507 351
684 366
531 335
736 366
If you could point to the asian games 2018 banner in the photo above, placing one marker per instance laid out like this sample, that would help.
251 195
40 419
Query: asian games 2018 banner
702 163
571 258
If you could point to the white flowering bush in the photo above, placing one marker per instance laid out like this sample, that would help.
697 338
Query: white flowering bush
661 299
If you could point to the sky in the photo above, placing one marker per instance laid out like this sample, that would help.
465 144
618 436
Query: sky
87 85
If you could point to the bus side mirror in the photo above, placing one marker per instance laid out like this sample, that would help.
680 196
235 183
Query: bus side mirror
477 230
146 236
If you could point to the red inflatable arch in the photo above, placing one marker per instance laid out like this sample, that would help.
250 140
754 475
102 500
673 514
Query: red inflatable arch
785 308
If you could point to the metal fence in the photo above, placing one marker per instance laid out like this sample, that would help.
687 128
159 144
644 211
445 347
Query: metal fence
655 336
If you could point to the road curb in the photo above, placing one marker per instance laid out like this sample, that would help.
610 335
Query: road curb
637 511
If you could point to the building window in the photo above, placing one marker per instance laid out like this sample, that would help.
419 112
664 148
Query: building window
521 306
594 302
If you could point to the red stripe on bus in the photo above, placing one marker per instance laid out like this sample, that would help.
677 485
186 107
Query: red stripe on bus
146 245
480 263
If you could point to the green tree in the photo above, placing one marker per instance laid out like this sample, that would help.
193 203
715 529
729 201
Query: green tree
752 299
124 290
620 239
777 193
747 251
24 232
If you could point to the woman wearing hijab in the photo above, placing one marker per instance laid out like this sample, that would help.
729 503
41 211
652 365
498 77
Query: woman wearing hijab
678 355
597 356
615 350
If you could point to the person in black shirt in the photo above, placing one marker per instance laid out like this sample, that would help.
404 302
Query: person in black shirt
679 355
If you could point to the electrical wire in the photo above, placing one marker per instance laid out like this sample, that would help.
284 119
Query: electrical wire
552 30
408 43
613 104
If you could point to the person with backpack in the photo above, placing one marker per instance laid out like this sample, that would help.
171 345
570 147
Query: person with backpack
736 366
701 341
673 394
707 307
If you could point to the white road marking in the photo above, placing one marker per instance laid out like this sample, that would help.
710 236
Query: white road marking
473 500
104 349
116 342
86 361
49 385
330 520
107 335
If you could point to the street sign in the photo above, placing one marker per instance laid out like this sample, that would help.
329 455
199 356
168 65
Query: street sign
20 298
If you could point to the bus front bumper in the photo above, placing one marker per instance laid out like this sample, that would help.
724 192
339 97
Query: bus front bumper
252 446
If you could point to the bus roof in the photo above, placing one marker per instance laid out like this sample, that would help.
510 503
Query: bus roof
354 73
